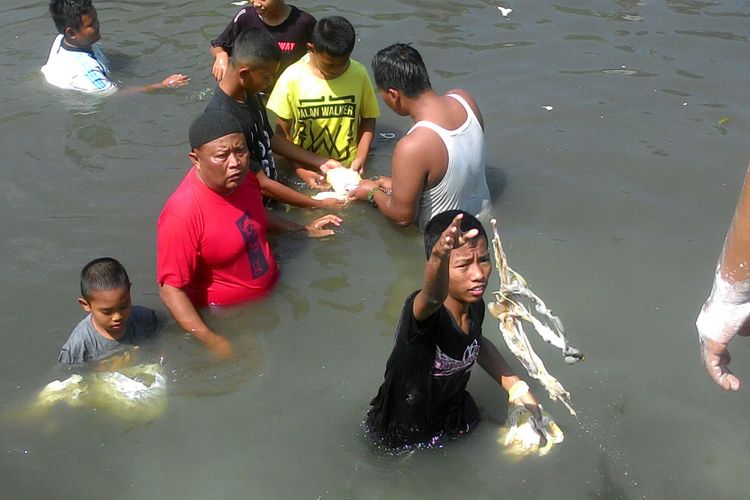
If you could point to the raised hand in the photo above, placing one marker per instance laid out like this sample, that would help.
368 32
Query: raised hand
453 238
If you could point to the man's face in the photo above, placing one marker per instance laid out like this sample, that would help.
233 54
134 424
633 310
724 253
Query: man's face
330 67
223 163
88 33
259 77
110 310
470 266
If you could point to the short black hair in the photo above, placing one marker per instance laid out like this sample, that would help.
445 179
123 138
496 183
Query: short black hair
440 223
68 13
333 35
104 273
253 46
399 66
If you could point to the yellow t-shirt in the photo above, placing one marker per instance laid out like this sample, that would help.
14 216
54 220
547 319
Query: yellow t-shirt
325 113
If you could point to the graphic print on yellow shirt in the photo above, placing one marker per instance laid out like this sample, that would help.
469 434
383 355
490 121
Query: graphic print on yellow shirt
325 113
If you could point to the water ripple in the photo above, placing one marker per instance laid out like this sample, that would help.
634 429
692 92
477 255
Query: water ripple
720 35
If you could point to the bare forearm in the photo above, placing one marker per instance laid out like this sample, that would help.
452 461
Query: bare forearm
278 224
184 313
401 214
436 280
735 259
493 363
286 148
366 134
285 194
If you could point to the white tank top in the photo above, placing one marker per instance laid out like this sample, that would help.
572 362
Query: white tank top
464 185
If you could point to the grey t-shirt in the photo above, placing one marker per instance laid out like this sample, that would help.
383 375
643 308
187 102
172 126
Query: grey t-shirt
86 344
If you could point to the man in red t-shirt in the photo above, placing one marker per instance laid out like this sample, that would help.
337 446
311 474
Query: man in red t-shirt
211 235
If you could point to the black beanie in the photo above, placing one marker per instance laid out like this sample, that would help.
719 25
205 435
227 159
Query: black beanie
212 125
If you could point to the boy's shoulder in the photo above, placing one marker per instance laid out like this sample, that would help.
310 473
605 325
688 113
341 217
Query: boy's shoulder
301 16
80 342
144 317
77 69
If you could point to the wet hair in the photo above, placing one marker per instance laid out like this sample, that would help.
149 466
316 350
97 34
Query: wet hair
68 13
333 35
254 46
104 273
399 66
440 223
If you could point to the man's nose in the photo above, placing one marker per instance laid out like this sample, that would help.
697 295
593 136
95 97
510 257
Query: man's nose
234 160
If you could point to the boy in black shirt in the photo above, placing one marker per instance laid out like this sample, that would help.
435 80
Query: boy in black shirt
251 68
439 337
288 25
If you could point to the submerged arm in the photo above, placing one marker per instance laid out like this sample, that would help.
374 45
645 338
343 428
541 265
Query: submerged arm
187 317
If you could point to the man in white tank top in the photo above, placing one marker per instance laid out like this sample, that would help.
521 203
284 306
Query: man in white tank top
439 164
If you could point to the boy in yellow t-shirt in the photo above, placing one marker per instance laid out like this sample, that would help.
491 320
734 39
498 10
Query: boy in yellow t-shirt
325 102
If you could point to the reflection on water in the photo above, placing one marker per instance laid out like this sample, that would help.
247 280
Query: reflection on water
615 203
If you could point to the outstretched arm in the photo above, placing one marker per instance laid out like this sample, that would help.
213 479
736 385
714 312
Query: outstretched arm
174 81
316 229
726 312
409 175
278 191
187 317
286 148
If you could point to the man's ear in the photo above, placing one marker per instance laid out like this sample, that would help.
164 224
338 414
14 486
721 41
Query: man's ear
243 72
194 158
393 94
310 47
84 304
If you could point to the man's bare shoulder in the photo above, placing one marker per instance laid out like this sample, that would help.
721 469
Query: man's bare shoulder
414 144
470 101
463 93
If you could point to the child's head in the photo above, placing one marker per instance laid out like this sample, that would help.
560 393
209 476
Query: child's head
77 20
330 46
400 67
470 264
105 293
255 58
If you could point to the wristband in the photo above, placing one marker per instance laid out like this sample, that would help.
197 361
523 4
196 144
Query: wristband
517 390
371 197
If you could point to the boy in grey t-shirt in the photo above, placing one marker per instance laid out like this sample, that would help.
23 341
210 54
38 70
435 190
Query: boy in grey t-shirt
113 321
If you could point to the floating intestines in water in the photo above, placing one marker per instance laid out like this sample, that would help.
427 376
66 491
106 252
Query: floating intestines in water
511 312
342 180
137 392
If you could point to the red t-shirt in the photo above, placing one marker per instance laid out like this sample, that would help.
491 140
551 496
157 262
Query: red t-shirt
214 247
